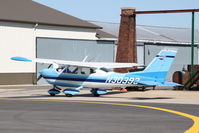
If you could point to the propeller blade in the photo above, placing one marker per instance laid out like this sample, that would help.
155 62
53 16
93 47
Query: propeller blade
40 76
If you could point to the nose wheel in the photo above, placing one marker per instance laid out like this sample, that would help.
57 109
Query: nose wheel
54 91
68 95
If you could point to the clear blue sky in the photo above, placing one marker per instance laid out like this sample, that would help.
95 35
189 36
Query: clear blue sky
109 10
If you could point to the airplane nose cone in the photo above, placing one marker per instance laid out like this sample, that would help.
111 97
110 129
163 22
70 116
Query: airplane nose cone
40 72
47 72
43 72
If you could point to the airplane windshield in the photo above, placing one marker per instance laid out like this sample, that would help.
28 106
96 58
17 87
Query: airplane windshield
60 69
68 69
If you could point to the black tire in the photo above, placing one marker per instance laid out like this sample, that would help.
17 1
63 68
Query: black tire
52 95
94 92
96 95
68 95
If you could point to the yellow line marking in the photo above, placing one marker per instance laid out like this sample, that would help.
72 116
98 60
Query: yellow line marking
193 129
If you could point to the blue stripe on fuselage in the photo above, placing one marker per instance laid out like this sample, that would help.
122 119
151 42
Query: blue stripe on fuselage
83 79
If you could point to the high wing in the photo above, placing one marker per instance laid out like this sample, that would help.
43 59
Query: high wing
78 63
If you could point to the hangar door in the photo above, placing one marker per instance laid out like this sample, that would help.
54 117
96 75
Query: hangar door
74 50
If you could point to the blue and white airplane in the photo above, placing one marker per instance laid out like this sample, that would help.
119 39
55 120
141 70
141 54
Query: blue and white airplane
96 75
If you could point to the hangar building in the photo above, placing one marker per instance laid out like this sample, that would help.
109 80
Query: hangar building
151 39
29 29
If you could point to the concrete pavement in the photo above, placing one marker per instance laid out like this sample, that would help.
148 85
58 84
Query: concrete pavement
149 96
31 109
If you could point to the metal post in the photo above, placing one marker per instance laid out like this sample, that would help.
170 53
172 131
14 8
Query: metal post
192 46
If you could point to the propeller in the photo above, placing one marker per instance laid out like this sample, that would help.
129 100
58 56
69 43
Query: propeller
40 76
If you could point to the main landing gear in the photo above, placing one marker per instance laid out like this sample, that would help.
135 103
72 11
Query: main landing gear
71 92
97 92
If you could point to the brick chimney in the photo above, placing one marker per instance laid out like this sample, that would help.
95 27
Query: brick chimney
126 49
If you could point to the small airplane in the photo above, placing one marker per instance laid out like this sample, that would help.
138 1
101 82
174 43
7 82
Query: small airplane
97 75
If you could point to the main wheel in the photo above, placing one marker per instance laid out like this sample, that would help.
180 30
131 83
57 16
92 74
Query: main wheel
94 92
96 95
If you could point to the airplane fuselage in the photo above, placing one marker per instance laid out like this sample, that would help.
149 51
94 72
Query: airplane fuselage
98 77
95 80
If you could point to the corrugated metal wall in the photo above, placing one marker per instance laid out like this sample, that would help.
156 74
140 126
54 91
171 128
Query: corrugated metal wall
75 50
183 56
140 54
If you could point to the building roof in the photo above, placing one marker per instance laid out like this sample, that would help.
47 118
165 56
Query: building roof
153 34
28 11
101 33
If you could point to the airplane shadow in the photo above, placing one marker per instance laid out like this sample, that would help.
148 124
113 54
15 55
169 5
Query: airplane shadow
90 95
62 95
46 96
36 96
151 98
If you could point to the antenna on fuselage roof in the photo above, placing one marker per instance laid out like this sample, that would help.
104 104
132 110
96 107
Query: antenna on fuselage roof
85 58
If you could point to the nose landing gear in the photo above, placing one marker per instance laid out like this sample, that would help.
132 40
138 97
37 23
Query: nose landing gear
54 91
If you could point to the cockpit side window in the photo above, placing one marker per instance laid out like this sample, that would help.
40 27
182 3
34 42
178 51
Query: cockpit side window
87 71
71 69
75 70
92 71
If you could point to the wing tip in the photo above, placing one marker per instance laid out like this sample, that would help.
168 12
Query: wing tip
20 59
